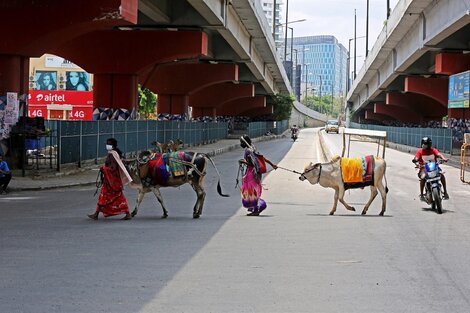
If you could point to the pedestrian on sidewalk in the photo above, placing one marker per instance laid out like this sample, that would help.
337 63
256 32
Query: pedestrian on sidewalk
251 187
5 175
111 200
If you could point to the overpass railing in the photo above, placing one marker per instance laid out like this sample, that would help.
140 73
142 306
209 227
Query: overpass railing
78 141
442 138
257 129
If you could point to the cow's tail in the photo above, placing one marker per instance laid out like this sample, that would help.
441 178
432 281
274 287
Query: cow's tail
385 177
219 188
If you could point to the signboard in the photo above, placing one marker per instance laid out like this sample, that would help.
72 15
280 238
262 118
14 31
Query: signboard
55 61
459 90
80 102
61 97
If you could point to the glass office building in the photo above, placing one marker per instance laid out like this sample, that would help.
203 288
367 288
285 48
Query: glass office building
323 61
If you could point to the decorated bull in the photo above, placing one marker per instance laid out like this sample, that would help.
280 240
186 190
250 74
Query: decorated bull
151 171
342 174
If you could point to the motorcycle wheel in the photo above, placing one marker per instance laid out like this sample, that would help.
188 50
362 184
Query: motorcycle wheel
437 200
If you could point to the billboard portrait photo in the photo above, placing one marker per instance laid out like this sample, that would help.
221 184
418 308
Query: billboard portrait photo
77 80
46 80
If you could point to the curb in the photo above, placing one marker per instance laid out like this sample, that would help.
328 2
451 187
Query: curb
210 153
325 150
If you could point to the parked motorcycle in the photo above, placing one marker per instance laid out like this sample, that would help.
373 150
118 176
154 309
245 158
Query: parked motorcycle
432 186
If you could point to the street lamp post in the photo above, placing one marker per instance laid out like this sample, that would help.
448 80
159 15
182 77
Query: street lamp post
274 20
294 73
306 71
349 61
320 85
287 19
367 29
388 9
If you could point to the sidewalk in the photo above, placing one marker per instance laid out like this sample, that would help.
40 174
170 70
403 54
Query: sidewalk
87 176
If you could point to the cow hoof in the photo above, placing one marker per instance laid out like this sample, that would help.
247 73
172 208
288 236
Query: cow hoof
134 213
381 213
332 213
364 212
164 215
353 209
196 215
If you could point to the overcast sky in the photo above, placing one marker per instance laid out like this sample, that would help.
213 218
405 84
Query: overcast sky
336 17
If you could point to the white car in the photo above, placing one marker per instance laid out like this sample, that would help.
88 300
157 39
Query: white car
332 126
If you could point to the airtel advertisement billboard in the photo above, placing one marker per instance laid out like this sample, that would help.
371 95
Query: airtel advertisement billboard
81 102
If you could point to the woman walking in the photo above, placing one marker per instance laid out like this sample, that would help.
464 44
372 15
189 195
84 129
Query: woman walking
111 200
251 188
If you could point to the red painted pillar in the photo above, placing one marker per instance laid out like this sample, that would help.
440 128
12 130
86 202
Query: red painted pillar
172 104
115 91
14 74
452 63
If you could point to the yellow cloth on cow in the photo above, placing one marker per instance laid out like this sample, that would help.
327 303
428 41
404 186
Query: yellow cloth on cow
351 170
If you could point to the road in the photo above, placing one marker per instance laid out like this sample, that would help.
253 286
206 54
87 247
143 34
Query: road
293 258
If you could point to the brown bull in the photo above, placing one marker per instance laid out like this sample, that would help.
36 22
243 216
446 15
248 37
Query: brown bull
329 175
195 171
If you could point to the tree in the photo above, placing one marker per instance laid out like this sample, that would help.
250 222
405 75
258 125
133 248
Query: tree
282 106
147 102
324 105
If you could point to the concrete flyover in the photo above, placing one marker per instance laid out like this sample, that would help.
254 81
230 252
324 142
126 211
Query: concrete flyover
405 76
212 55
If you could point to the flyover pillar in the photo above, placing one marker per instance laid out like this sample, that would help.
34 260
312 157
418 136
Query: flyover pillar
14 73
116 91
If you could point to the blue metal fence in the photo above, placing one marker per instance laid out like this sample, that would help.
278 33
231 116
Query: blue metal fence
411 136
77 141
257 129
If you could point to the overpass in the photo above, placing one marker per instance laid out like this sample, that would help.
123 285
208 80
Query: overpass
215 56
406 74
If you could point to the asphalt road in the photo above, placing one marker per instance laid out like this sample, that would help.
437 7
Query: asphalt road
293 258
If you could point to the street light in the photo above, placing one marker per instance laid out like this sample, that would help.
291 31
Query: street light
320 85
292 34
349 61
306 71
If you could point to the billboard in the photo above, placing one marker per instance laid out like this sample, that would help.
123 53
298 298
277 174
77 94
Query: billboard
72 105
459 91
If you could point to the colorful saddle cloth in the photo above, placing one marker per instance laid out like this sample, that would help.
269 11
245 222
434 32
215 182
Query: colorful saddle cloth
174 161
163 166
357 172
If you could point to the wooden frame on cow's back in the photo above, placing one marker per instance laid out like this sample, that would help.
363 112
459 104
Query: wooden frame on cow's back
330 175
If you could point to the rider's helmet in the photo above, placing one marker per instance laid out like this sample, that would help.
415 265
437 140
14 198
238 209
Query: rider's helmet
426 143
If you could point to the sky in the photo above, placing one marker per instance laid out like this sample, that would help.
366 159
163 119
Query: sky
336 17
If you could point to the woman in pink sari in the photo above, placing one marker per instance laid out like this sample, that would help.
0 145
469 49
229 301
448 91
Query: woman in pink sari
251 188
111 200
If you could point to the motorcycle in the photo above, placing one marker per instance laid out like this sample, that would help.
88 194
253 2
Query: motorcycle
294 136
432 185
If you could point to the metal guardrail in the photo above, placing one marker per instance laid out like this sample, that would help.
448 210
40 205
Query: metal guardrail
442 138
257 129
78 141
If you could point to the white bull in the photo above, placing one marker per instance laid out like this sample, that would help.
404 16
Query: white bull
329 175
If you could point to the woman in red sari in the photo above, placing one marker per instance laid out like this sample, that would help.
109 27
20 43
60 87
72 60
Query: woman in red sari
111 200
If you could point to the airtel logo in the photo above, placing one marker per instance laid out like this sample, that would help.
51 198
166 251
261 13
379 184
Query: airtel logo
39 97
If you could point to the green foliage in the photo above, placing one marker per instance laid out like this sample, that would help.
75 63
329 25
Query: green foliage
283 106
325 105
147 102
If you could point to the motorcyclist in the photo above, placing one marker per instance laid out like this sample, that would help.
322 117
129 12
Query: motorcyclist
294 130
428 154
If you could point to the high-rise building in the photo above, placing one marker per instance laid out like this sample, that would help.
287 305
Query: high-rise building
323 61
268 8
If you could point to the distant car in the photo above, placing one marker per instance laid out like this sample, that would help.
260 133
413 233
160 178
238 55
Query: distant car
332 126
